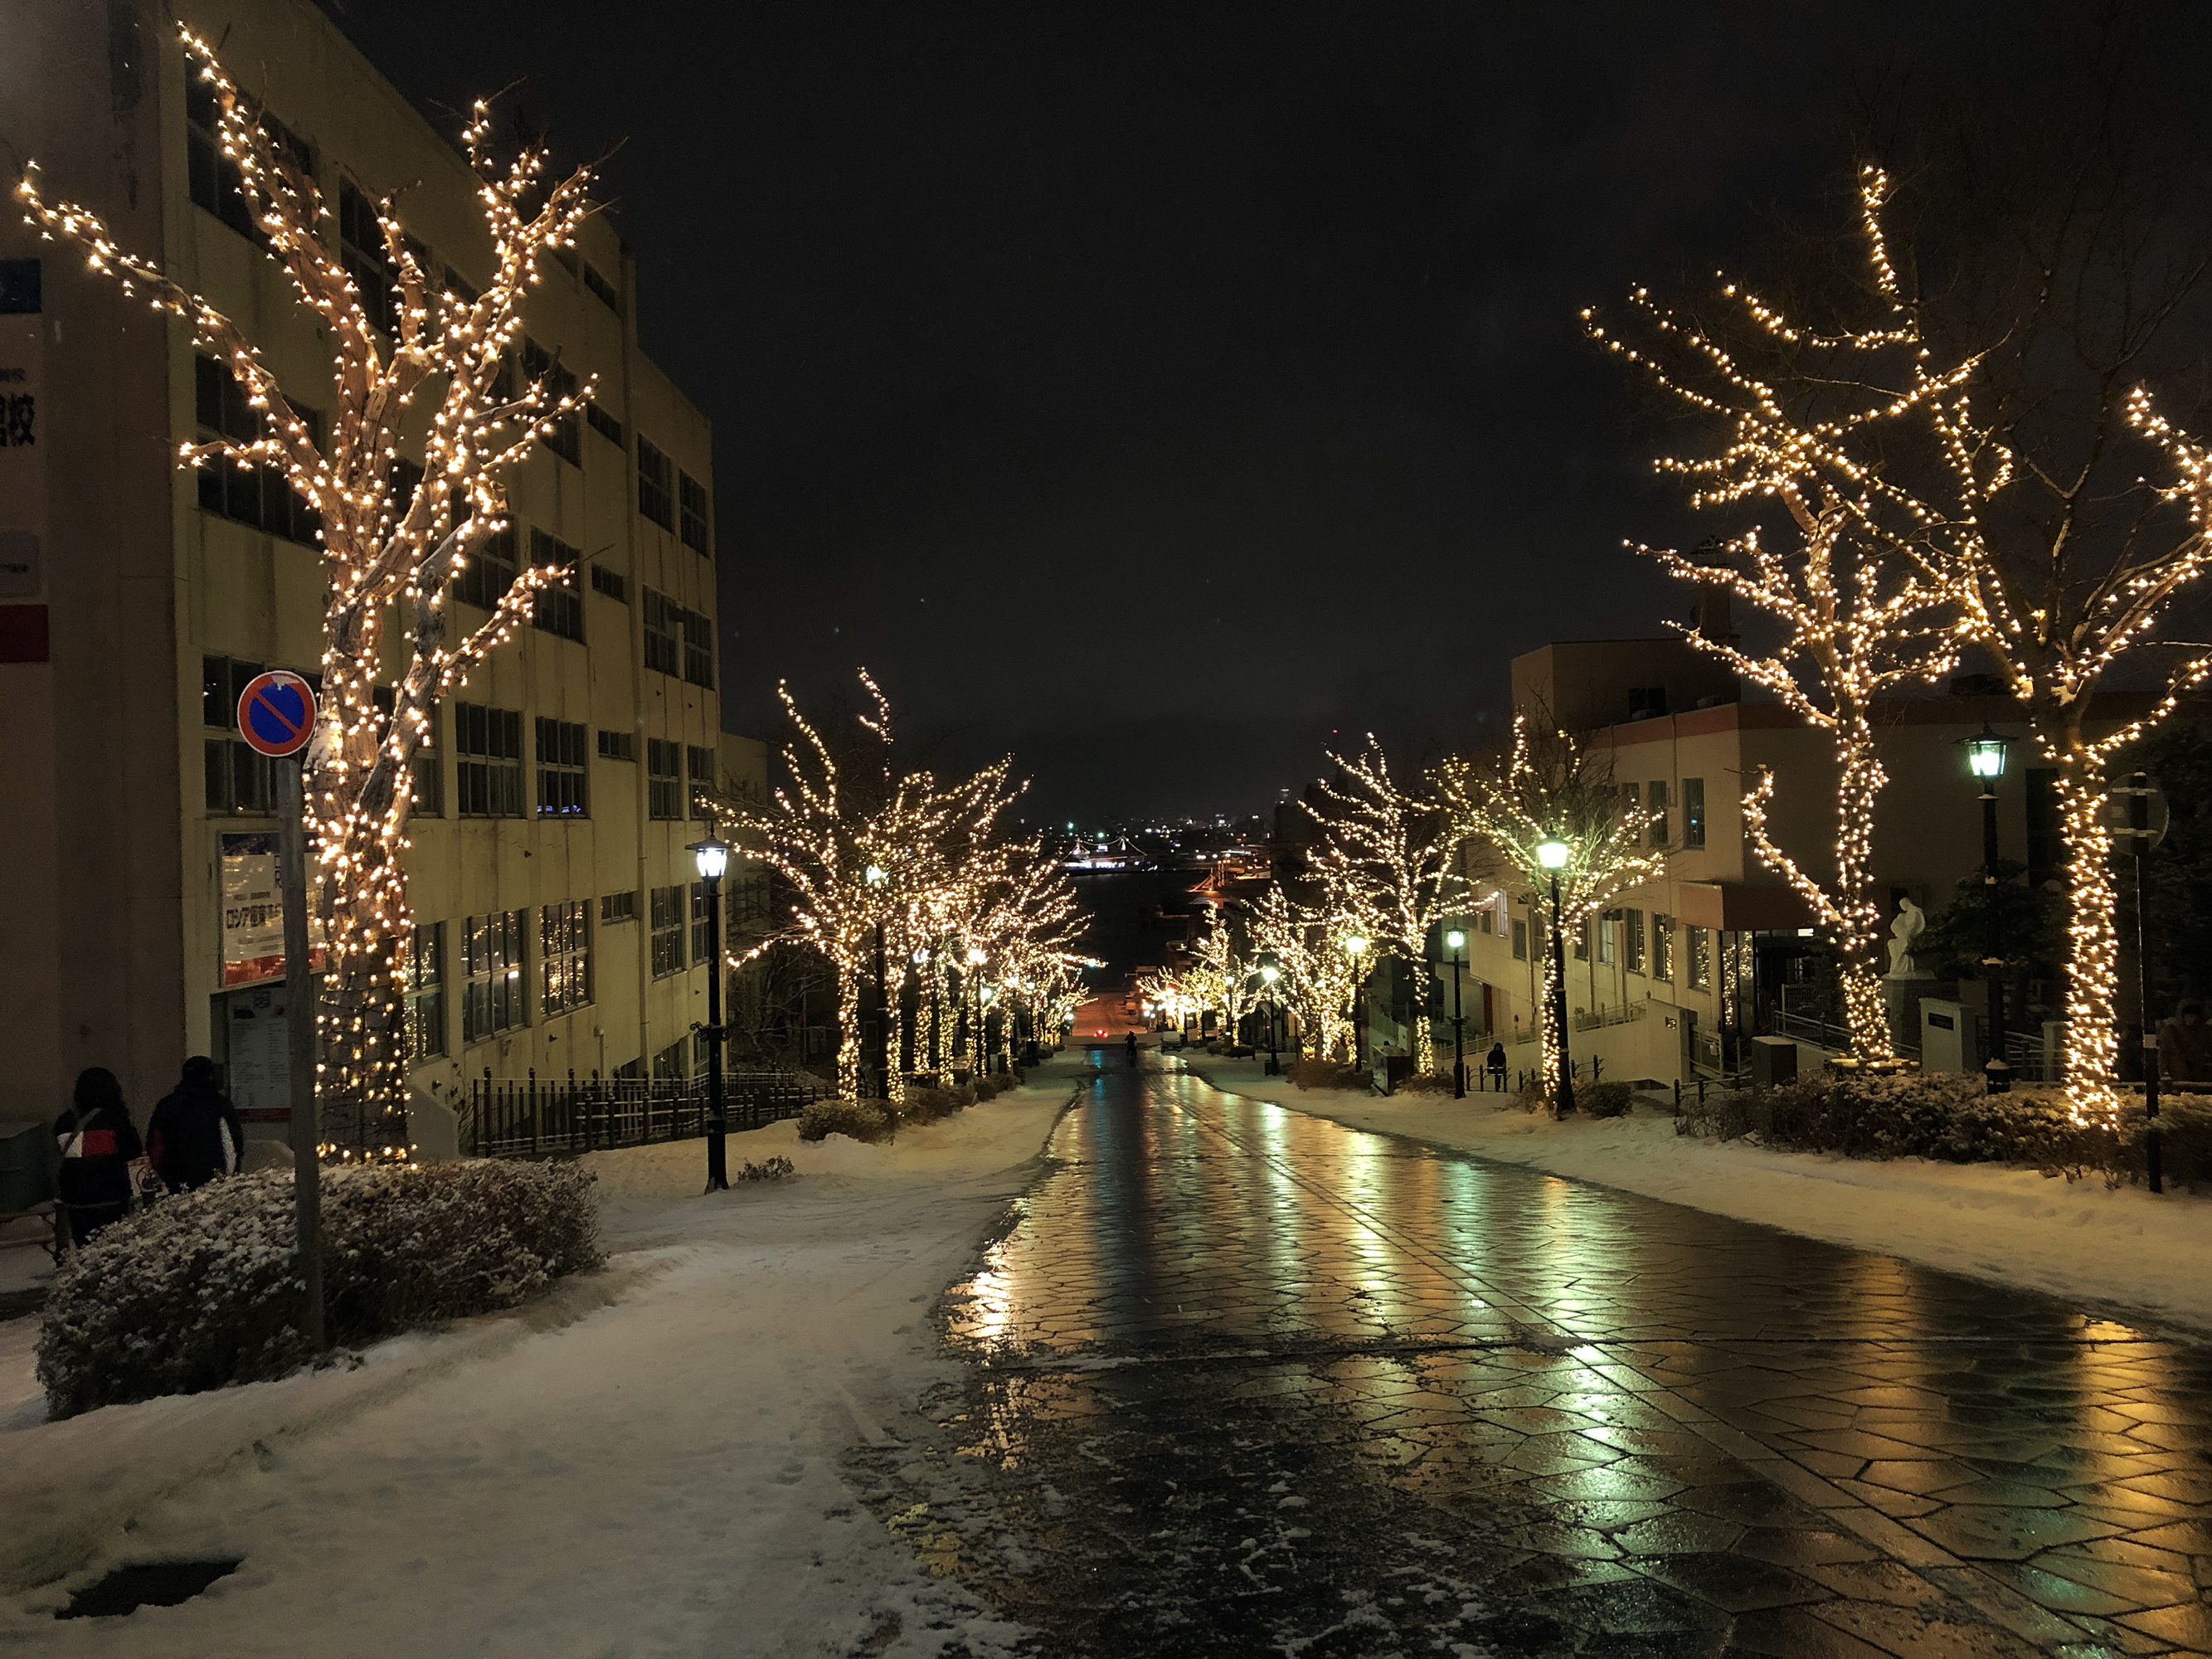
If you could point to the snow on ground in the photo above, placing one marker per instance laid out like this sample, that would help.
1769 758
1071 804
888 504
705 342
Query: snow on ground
643 1463
2077 1239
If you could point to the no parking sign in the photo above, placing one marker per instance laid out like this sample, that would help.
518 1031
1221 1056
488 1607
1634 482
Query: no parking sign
277 713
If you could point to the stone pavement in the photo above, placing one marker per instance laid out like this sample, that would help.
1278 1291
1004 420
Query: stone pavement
1247 1381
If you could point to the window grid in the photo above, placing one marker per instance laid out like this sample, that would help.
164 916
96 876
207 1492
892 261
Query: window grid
426 992
1701 960
490 573
558 433
492 949
1693 811
362 252
559 608
487 769
564 956
563 751
612 583
699 772
667 941
260 494
656 483
618 907
609 296
1657 811
702 948
663 633
237 778
663 788
604 423
1633 921
699 649
694 517
618 745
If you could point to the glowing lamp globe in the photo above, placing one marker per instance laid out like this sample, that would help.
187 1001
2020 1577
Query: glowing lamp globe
1551 852
1986 754
1356 945
712 855
875 875
1271 973
1456 939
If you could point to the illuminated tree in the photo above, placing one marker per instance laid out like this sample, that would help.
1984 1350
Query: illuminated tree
1218 975
1388 860
860 843
435 382
1980 424
1319 976
1550 787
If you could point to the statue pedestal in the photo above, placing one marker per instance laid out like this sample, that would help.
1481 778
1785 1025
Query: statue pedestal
1900 1001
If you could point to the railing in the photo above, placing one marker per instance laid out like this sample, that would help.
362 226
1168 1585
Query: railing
536 1117
1626 1014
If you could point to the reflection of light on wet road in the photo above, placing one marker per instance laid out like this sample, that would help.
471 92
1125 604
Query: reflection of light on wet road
1653 1422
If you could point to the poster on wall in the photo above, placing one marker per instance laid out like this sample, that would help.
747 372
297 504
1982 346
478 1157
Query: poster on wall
253 912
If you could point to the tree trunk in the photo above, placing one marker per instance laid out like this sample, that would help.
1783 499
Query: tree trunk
1859 784
2091 1053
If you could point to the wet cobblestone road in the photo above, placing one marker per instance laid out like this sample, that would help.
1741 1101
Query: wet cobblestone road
1247 1381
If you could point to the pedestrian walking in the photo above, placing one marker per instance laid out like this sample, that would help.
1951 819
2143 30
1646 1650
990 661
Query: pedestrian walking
195 1134
1131 1041
99 1145
1494 1062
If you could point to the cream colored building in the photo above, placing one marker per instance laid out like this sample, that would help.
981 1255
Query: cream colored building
548 873
1684 969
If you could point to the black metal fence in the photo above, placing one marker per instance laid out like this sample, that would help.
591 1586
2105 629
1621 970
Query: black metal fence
535 1116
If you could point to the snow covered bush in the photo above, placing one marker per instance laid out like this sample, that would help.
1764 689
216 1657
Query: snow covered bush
1951 1116
862 1120
1605 1099
927 1105
201 1290
778 1167
1329 1074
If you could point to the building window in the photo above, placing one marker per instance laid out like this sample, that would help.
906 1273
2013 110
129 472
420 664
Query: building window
490 573
664 779
1581 939
215 181
699 772
1701 960
1608 935
695 523
362 250
1632 926
557 431
488 772
663 633
559 608
618 745
564 958
562 752
1520 940
1663 947
1693 811
699 649
612 583
2046 835
609 296
668 943
426 992
1658 811
702 948
238 779
492 953
260 494
656 484
618 907
604 423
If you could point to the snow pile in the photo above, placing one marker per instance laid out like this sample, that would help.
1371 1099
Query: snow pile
201 1289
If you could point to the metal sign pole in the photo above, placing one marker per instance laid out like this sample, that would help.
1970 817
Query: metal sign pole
300 1012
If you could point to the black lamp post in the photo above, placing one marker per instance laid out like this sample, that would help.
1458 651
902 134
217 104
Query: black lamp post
1457 940
2142 837
1553 853
713 857
1985 759
975 1025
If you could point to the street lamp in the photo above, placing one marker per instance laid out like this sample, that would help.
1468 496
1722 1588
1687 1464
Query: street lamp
879 1058
712 855
989 995
1985 759
1268 975
1356 947
1457 941
1553 853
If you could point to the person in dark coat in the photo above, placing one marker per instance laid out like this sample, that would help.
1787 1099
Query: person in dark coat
195 1134
99 1143
1494 1062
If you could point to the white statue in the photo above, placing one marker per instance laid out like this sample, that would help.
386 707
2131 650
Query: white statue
1911 922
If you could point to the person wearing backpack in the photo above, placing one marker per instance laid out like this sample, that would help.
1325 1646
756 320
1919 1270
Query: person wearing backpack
195 1134
99 1145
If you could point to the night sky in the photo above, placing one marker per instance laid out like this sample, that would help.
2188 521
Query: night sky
1158 390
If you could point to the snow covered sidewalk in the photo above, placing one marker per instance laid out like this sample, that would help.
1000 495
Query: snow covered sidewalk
644 1462
2124 1248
